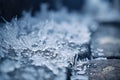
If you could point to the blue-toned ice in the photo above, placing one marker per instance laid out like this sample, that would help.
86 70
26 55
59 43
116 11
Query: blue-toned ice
42 47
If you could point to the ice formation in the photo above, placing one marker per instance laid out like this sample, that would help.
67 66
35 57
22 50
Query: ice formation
50 39
46 46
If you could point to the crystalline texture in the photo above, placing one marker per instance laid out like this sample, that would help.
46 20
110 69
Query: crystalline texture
34 42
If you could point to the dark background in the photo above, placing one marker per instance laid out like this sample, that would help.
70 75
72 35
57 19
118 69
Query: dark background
14 8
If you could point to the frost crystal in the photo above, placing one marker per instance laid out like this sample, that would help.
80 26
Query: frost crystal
48 41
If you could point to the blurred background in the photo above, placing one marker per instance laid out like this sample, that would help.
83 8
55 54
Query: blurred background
14 8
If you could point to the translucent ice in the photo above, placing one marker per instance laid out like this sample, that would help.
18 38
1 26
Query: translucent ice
51 39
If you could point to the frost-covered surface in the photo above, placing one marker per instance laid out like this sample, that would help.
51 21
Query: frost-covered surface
43 45
50 46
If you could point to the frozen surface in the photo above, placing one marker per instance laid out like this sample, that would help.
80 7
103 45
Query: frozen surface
50 46
44 45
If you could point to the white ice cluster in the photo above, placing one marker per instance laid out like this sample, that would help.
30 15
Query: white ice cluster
50 38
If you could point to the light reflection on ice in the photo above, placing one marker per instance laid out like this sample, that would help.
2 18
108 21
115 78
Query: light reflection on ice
49 39
49 43
52 42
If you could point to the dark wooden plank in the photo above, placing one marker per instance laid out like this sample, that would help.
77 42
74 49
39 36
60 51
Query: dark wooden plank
105 70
